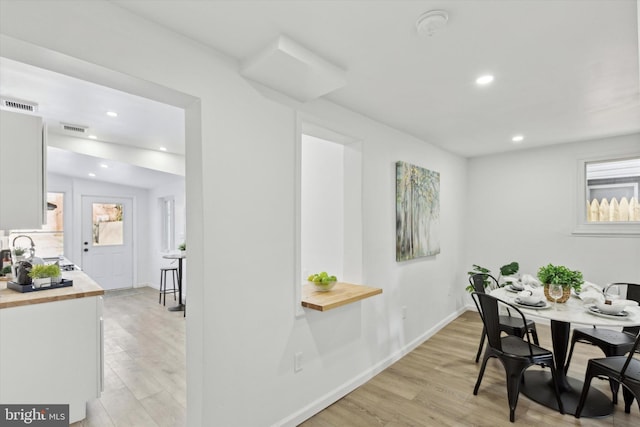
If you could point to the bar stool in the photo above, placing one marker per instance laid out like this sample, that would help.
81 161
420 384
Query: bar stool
163 283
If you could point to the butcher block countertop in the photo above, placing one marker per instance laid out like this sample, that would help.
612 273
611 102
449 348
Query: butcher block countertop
341 294
83 286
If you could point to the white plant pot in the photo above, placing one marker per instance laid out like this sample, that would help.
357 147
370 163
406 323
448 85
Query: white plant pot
38 283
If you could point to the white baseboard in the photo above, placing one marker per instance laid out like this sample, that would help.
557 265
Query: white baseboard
341 391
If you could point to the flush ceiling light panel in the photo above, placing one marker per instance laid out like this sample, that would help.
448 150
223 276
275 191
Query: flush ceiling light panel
291 69
19 104
431 22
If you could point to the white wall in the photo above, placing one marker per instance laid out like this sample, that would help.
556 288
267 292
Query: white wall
322 200
242 329
74 189
522 207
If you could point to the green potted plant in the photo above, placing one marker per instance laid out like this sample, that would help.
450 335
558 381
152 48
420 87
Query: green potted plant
44 274
506 270
6 271
560 275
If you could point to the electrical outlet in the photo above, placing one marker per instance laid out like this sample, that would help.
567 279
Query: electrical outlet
404 311
297 362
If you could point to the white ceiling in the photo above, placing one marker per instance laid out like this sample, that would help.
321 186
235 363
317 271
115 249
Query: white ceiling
141 122
564 70
64 162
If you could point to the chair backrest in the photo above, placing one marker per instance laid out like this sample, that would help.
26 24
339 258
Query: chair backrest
479 280
636 348
489 307
633 293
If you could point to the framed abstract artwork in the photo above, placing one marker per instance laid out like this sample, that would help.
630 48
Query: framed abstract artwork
417 212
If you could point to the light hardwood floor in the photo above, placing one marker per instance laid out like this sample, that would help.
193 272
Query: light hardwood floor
145 373
432 386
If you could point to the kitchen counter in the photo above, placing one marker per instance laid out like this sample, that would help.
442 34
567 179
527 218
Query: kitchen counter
83 286
53 345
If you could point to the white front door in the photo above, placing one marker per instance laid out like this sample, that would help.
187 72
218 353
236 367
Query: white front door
107 241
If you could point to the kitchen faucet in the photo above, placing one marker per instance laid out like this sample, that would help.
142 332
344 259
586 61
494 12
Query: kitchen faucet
32 249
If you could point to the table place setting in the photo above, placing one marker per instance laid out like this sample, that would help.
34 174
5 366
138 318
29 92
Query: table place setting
600 302
532 300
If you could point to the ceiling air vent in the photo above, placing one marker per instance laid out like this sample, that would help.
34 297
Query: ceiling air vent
19 104
74 128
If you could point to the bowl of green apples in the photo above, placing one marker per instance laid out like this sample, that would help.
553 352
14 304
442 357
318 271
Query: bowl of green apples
322 281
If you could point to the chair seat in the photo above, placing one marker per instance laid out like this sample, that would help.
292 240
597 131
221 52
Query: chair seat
518 347
615 363
618 342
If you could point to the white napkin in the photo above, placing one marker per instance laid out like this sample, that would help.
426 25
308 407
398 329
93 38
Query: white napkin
528 279
590 293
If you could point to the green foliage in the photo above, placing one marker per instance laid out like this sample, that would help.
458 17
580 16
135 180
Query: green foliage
5 271
509 269
505 270
18 251
560 275
41 271
183 247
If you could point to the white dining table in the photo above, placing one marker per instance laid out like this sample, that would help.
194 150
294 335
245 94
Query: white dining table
538 385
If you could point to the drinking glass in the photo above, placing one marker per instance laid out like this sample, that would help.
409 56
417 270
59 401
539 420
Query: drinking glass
555 292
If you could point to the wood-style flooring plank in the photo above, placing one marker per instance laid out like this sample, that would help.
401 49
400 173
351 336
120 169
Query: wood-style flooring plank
433 386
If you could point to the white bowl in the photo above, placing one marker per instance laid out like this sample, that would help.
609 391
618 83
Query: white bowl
530 299
610 308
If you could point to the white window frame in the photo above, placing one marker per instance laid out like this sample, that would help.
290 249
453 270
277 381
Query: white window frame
602 229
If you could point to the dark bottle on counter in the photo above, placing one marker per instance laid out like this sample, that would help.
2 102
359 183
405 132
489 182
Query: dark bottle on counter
6 261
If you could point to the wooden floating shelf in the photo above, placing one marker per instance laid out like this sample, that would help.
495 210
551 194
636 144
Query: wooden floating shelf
341 294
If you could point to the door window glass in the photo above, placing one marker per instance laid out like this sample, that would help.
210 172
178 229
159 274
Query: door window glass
108 226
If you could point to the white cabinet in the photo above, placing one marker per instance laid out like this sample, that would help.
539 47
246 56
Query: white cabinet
51 353
22 171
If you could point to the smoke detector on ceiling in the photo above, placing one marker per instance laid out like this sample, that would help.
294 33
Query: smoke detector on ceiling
19 104
431 22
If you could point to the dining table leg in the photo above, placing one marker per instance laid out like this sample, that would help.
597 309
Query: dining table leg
180 306
538 384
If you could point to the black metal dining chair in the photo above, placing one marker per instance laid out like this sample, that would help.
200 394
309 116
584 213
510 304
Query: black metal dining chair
623 370
515 353
611 342
509 324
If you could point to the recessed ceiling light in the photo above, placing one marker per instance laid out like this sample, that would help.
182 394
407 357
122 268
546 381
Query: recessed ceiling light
91 174
163 148
104 165
517 138
484 80
112 114
93 137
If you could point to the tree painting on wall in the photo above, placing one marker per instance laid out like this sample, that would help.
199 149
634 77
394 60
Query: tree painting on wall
417 212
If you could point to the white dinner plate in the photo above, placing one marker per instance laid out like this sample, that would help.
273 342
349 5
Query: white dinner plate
532 307
510 288
596 312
